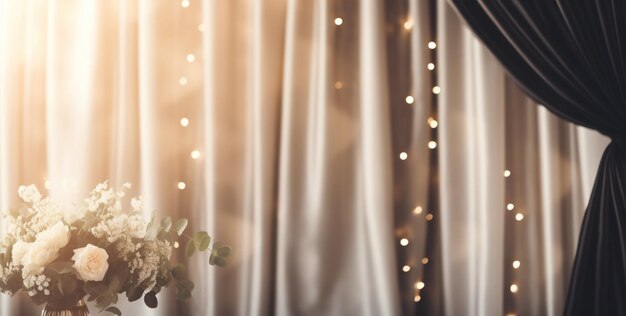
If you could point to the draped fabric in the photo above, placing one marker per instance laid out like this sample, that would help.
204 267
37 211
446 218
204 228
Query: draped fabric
569 57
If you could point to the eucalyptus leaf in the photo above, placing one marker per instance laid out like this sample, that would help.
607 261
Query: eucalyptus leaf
61 267
166 224
151 300
179 271
220 261
152 230
180 226
191 248
224 251
134 294
114 310
202 240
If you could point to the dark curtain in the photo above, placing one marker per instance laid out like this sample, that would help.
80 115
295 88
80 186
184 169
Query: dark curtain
570 57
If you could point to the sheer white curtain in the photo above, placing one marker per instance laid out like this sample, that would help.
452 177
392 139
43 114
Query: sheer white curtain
488 126
293 172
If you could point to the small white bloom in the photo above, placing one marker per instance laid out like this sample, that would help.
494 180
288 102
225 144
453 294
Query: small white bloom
29 193
38 256
56 236
20 249
91 263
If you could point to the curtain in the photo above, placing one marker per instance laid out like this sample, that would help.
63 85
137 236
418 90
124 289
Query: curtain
289 114
569 58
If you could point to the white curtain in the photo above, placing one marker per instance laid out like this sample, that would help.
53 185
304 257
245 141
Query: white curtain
488 126
294 170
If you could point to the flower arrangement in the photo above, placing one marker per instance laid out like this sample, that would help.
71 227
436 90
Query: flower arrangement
97 251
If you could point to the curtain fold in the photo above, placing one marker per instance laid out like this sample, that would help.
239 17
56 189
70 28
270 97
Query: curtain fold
569 58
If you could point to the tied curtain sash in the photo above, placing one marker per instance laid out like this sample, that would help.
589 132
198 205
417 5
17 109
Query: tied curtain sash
570 56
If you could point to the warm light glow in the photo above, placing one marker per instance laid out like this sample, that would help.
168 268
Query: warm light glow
432 144
182 81
185 3
417 210
514 288
406 268
409 100
176 244
404 242
429 217
338 85
419 285
181 185
430 66
338 21
184 122
519 217
408 24
510 206
417 298
516 264
436 90
195 154
47 184
191 58
432 45
424 260
403 156
201 27
433 123
507 173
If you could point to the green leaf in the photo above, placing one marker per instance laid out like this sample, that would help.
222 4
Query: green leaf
166 224
180 226
95 290
151 300
152 230
220 261
114 310
134 294
202 240
179 271
103 302
61 267
68 284
224 251
191 248
115 285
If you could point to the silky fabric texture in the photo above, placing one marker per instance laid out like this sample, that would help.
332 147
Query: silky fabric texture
294 173
569 57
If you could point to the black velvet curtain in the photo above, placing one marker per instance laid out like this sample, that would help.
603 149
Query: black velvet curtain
570 56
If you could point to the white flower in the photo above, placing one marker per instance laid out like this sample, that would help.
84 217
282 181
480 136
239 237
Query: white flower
91 263
39 255
20 249
29 193
56 236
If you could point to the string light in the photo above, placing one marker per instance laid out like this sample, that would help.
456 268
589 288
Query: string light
432 144
176 244
201 27
338 85
510 206
424 260
185 3
409 99
507 173
417 298
430 66
404 242
403 156
47 184
183 81
338 21
514 288
516 264
408 25
419 285
191 58
417 210
181 185
432 45
184 122
436 90
429 217
432 122
406 268
519 217
195 154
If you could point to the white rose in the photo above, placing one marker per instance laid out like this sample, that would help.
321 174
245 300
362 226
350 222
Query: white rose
37 257
56 236
19 251
91 263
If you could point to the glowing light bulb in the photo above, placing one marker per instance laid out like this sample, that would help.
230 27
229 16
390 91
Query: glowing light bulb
417 298
404 242
516 264
338 85
507 173
430 66
436 90
191 58
514 288
429 217
424 260
403 156
47 184
432 144
184 122
176 244
409 99
433 123
185 3
519 217
338 21
181 185
406 268
417 210
183 81
510 206
408 24
432 45
201 27
195 154
419 285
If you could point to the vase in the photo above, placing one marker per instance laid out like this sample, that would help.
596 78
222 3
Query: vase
77 309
